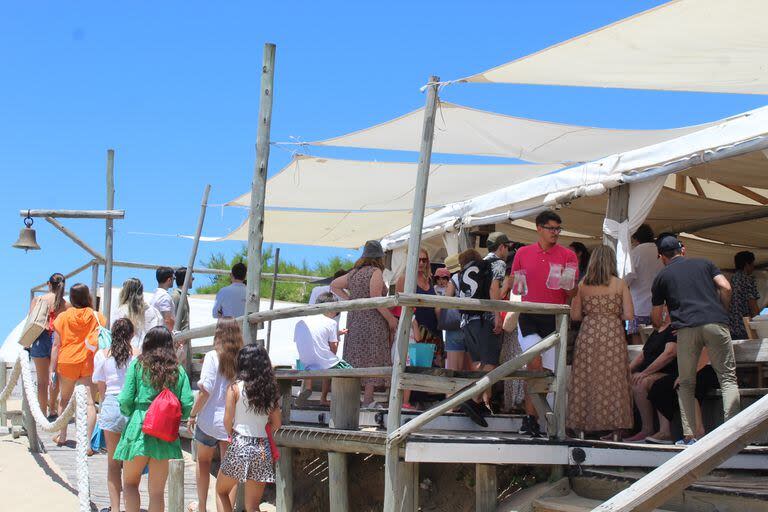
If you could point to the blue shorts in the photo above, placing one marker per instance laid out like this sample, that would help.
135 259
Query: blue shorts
41 347
203 438
454 341
110 418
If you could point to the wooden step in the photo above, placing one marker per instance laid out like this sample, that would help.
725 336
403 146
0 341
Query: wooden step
571 502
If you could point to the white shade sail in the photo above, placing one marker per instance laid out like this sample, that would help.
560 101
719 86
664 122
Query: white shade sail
684 45
468 131
332 184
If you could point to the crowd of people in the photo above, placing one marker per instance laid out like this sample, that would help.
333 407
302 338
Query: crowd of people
142 392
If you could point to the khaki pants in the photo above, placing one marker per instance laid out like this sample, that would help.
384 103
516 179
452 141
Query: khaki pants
690 341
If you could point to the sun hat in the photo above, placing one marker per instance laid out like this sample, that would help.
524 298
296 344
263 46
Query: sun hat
373 249
452 263
496 239
442 272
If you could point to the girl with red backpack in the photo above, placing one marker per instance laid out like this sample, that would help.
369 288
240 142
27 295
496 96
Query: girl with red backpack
155 397
251 414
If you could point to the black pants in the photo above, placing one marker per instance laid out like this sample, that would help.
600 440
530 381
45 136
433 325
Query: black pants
664 397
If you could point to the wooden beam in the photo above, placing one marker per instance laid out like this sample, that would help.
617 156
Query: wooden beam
284 469
345 414
318 438
176 485
745 192
437 301
95 285
258 191
720 220
276 264
72 236
79 269
486 488
394 484
694 462
106 303
697 186
75 214
680 183
617 209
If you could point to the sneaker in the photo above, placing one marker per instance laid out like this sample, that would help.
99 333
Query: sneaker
684 442
535 430
525 428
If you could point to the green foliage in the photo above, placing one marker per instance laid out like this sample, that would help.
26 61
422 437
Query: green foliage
285 290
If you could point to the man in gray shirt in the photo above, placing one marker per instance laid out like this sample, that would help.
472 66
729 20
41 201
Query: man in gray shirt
183 316
230 301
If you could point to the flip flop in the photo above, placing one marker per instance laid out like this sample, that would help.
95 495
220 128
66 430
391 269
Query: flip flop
470 408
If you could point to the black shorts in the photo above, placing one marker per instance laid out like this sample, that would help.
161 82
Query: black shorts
482 344
530 323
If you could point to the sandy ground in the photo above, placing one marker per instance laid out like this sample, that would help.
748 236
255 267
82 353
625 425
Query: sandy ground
30 482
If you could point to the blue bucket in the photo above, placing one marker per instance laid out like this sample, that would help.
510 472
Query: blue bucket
421 354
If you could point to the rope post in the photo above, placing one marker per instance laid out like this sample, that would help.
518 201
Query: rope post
3 382
176 485
30 426
394 486
81 418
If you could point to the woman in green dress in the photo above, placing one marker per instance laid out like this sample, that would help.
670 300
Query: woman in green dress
155 369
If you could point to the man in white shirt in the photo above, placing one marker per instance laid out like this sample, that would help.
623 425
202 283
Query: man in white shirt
645 265
162 300
317 340
230 301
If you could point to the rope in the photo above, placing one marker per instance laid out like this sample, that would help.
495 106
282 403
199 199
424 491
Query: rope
77 406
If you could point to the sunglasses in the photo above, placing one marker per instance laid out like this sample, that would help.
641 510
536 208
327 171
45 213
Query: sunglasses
423 260
552 229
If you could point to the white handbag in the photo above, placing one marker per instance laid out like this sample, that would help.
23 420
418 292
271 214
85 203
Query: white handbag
37 322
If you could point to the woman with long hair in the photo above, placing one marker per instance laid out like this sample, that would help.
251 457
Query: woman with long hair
40 350
74 343
599 394
206 421
132 306
155 369
370 331
109 368
583 255
252 404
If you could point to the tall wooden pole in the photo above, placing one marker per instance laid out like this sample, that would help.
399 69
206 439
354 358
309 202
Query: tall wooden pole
258 190
106 306
95 284
272 296
188 276
394 487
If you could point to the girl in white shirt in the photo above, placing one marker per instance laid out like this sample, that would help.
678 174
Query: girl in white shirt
109 367
252 404
207 417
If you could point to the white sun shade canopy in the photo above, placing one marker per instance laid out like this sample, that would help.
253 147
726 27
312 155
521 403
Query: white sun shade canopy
684 45
313 183
468 131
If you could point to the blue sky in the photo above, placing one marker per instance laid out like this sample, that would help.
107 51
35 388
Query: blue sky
173 88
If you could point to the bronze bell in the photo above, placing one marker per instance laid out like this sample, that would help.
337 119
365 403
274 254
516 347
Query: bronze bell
27 239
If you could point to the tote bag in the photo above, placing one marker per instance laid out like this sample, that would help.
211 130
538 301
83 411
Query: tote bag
37 322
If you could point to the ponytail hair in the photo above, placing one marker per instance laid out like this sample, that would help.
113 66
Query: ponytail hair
57 284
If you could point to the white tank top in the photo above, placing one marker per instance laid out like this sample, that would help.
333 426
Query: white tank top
247 422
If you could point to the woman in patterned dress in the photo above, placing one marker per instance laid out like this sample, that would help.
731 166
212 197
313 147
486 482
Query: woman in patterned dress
599 394
369 337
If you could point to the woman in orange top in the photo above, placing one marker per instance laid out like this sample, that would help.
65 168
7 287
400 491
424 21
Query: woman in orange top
74 344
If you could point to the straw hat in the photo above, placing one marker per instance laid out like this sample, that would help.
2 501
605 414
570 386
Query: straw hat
452 263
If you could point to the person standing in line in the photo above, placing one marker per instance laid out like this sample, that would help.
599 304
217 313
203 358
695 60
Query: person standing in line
179 275
698 297
645 265
161 300
109 368
582 254
74 343
599 392
370 331
132 306
40 350
457 357
230 300
252 405
317 291
544 272
219 369
155 369
745 294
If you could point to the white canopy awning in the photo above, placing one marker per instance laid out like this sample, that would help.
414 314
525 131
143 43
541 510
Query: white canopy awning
313 183
683 45
468 131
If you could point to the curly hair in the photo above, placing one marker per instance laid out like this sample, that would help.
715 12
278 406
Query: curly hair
121 350
158 359
254 369
228 340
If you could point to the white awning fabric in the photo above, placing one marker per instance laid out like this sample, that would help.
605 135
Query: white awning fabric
468 131
683 45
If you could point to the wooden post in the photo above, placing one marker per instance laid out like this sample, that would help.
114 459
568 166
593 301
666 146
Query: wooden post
618 209
3 404
486 488
72 236
393 486
106 298
284 473
272 296
345 415
95 285
258 190
30 425
561 386
176 485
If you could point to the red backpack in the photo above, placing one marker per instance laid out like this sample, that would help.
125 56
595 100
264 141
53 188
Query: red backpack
163 417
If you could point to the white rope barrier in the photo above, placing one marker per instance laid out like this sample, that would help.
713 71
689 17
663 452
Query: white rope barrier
77 406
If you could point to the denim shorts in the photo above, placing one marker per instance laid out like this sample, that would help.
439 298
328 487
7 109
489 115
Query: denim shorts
454 341
203 438
41 347
110 418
